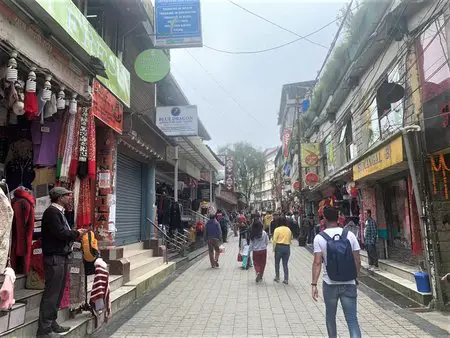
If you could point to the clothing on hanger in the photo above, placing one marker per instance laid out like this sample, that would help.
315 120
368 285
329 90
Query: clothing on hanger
6 220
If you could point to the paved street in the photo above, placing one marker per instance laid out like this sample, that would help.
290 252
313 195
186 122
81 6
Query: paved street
203 302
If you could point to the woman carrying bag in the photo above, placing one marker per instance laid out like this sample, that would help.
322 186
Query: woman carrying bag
258 245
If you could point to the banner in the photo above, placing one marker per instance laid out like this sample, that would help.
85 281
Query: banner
178 24
229 173
177 121
106 107
310 155
287 135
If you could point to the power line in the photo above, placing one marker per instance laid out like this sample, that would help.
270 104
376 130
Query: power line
224 89
275 24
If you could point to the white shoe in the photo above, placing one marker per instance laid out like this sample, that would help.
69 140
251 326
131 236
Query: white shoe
371 267
376 268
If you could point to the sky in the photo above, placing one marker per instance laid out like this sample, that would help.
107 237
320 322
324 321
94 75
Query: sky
238 96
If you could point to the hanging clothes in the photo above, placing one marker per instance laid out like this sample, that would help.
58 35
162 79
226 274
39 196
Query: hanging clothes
62 143
77 280
83 150
6 219
19 164
84 208
67 148
23 227
91 146
36 275
175 216
45 139
7 290
73 169
100 295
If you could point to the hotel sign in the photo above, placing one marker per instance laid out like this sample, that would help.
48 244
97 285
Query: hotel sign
383 158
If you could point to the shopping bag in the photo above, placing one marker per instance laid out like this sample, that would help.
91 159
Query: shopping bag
246 250
222 248
239 257
244 262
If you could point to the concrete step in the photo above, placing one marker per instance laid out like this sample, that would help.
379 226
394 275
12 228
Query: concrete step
401 285
399 269
144 266
28 329
137 256
132 247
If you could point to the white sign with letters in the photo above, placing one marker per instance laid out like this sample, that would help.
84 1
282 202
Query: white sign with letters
177 120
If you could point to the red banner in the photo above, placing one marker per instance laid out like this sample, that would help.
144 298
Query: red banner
287 135
106 107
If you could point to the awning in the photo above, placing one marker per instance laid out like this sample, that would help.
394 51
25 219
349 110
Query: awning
193 148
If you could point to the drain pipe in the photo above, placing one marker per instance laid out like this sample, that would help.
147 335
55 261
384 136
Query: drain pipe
418 173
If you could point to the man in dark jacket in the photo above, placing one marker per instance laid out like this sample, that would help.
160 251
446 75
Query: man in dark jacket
213 234
57 241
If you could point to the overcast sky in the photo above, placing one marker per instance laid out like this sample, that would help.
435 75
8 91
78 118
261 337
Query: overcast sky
253 81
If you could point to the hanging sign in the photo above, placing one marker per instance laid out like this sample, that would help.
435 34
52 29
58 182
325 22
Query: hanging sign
229 173
178 24
177 121
297 185
310 155
152 65
106 107
287 135
311 179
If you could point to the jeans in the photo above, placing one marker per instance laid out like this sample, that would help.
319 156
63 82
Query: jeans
214 251
282 252
372 254
347 293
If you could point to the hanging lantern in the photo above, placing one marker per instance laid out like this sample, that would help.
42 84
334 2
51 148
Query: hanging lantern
31 82
30 102
60 101
73 104
18 106
46 92
11 72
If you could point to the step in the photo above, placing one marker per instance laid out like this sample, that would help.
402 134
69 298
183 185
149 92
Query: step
138 269
402 285
147 282
134 246
138 255
32 314
399 269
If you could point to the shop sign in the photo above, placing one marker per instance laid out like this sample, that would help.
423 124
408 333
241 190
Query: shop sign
30 43
178 24
311 179
287 170
106 107
436 114
152 65
177 121
229 173
297 185
69 17
287 135
383 158
310 154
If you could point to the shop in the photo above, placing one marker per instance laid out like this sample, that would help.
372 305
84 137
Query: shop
386 189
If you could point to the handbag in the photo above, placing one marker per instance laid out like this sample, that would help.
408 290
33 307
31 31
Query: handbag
239 257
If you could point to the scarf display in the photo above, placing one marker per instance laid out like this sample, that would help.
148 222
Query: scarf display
36 276
91 146
75 150
83 144
62 143
68 148
65 300
77 280
84 207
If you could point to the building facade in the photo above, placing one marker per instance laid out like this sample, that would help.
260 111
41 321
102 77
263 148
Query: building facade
263 197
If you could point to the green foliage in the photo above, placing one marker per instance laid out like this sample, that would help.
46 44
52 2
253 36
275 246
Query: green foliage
249 165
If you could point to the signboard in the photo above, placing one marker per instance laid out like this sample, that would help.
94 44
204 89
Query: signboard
178 24
383 158
310 155
69 17
152 65
229 173
287 135
177 121
437 122
311 179
287 170
106 107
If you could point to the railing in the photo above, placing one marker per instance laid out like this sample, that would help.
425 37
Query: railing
176 242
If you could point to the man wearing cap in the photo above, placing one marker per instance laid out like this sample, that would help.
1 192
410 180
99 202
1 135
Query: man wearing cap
57 241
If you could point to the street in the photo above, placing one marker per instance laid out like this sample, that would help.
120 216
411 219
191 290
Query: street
225 302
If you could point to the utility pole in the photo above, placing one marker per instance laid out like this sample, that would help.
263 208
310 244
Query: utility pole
299 140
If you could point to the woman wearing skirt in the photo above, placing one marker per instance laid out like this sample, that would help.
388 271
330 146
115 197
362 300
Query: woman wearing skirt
258 245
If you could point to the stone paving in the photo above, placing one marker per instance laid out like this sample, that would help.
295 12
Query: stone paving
226 302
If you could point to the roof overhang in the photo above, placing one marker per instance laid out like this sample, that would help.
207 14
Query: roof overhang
193 148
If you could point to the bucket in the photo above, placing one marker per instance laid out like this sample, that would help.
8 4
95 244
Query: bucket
422 282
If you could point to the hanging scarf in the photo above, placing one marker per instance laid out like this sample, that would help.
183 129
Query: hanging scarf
83 151
84 204
73 169
91 146
68 149
62 143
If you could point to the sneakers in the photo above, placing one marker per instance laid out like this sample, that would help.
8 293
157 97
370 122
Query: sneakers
276 280
370 268
60 329
258 277
376 268
285 282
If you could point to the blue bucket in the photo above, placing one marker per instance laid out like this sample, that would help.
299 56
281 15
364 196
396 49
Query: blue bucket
422 282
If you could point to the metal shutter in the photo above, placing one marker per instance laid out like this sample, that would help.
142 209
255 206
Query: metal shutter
129 200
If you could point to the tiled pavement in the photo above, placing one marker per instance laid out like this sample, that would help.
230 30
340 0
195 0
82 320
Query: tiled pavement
225 302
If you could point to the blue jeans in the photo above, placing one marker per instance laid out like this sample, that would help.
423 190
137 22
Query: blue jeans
282 252
347 293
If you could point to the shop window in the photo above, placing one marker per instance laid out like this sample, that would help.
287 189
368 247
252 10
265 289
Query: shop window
432 53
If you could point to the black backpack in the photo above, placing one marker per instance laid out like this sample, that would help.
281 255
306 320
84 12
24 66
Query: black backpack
340 263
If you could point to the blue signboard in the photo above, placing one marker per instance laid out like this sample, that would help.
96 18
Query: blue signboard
178 23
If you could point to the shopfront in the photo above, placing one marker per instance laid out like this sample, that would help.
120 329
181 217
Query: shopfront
385 187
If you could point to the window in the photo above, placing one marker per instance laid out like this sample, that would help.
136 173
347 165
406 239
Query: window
346 141
373 123
329 150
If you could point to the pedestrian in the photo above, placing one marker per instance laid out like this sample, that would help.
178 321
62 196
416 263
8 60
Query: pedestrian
282 239
370 240
258 245
338 249
267 220
57 242
244 243
222 218
213 235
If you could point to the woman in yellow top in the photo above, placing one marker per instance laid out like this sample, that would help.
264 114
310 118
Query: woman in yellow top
282 239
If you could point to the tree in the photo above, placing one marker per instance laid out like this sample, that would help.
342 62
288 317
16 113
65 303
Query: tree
249 166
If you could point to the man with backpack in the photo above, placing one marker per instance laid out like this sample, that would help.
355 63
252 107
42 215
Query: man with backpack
338 249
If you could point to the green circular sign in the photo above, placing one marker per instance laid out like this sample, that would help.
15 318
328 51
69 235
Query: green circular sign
152 65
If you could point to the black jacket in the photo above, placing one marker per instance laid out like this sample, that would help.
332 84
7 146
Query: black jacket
57 239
